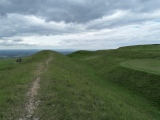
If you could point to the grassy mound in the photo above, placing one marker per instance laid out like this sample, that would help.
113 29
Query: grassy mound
147 65
70 88
141 77
15 80
152 47
79 54
141 83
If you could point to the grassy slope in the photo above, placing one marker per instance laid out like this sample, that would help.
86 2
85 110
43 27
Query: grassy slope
147 81
108 67
153 47
15 80
73 90
79 54
146 65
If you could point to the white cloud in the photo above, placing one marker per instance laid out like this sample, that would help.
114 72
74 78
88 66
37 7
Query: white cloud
107 20
122 18
78 24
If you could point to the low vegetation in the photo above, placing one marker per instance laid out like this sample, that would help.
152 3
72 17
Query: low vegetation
15 80
121 84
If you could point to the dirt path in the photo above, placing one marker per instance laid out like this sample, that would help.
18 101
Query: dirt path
32 103
89 58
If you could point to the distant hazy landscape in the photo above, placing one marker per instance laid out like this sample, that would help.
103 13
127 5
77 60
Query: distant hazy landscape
4 54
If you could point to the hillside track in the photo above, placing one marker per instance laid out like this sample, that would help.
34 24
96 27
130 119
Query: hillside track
89 58
32 103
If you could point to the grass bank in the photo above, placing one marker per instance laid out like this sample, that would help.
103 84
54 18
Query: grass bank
72 89
99 88
15 80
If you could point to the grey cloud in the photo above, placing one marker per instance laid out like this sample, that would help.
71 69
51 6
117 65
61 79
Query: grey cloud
52 17
16 42
72 11
122 18
83 43
18 25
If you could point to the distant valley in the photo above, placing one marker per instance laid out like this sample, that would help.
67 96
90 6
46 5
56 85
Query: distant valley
5 54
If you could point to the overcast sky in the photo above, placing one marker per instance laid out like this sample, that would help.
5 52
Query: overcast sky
78 24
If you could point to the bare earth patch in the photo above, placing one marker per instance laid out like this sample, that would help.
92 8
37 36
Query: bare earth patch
89 58
33 91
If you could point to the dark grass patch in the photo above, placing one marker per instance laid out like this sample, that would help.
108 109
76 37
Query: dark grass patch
145 84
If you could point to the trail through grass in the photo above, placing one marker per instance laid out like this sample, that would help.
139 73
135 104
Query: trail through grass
89 58
66 88
15 81
32 104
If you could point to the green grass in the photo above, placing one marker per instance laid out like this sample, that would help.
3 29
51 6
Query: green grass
15 80
79 54
143 78
71 89
141 83
111 86
108 66
147 65
149 47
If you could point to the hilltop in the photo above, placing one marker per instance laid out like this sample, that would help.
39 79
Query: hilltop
107 84
149 47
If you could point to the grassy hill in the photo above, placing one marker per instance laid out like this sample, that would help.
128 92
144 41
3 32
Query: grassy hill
15 80
152 47
100 85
